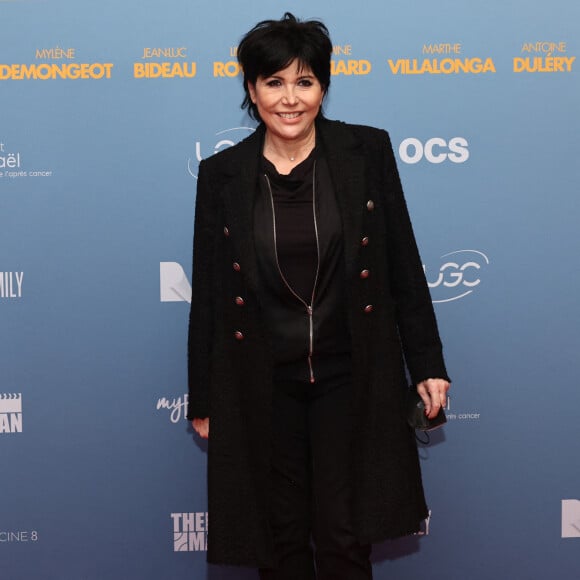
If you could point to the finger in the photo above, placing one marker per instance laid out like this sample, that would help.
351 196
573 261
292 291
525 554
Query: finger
423 393
435 406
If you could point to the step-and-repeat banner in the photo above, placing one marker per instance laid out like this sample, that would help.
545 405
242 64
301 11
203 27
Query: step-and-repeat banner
106 109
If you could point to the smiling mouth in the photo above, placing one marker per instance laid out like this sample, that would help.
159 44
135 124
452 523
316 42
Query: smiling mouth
289 115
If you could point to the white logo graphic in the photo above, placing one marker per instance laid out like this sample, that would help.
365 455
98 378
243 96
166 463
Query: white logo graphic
174 285
435 150
424 531
11 284
226 138
456 277
190 532
10 413
12 165
18 536
571 518
460 415
177 407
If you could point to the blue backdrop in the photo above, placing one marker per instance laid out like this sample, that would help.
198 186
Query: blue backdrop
106 109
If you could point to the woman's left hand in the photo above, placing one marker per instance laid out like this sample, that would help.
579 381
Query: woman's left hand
434 395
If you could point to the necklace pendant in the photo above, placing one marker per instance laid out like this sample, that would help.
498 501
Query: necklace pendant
292 158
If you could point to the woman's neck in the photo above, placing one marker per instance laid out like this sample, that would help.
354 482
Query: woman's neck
287 154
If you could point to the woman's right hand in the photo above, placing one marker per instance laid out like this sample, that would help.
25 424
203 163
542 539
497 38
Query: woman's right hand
201 427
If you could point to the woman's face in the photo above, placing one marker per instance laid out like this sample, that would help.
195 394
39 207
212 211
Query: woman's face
288 101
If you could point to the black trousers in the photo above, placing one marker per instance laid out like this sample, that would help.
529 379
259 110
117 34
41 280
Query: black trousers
311 492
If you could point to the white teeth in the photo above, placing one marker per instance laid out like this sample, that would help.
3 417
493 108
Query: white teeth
289 115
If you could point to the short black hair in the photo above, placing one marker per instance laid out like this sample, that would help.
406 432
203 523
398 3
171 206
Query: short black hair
273 44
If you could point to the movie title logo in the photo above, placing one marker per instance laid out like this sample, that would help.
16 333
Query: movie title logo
458 275
221 140
12 165
176 407
64 69
435 150
190 531
549 57
10 413
442 59
343 63
11 284
160 68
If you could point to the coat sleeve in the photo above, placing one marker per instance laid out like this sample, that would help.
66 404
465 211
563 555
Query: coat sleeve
202 299
414 309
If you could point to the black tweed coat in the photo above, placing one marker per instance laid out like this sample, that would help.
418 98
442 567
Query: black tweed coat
391 322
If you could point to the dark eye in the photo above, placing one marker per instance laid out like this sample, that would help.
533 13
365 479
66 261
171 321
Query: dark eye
305 83
273 83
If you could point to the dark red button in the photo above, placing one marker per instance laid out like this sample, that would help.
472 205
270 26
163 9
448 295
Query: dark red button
236 267
239 335
368 308
364 274
364 241
370 205
239 301
226 231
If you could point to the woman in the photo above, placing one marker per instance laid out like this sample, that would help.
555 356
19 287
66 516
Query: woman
308 299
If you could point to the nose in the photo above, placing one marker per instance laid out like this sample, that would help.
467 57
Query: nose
289 97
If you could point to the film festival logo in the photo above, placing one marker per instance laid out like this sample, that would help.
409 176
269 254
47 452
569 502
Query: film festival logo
190 532
224 139
571 518
458 276
10 413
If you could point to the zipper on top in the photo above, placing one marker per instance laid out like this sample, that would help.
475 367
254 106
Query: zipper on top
309 307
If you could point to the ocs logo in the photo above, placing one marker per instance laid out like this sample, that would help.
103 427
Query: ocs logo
457 276
224 139
435 150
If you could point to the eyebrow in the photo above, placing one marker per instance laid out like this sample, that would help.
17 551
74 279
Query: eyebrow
307 76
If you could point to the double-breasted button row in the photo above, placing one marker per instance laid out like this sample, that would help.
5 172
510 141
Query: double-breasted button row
238 300
364 274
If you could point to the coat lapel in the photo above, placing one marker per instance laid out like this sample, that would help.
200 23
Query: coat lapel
241 175
346 163
344 154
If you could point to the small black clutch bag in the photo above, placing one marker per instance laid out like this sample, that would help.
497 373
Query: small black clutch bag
416 413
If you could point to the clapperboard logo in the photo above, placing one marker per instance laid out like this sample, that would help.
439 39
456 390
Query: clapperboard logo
10 413
190 532
571 518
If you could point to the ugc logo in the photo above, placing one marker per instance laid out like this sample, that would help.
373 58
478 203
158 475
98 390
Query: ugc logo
224 139
458 275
